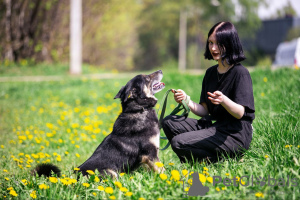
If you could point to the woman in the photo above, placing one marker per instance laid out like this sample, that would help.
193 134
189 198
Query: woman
226 98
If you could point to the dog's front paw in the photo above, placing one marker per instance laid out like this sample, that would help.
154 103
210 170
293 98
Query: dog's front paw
160 170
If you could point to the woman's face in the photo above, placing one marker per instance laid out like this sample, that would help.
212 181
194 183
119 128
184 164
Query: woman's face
213 47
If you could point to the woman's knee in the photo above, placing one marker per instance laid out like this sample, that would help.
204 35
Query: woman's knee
176 143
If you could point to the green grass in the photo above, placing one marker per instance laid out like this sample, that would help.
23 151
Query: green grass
24 68
63 122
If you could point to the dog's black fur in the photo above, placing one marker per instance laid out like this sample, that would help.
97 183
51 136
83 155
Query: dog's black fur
135 136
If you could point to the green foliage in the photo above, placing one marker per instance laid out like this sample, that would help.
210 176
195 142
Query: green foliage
159 28
124 35
110 33
62 122
293 33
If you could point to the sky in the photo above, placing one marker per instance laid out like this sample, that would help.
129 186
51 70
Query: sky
274 5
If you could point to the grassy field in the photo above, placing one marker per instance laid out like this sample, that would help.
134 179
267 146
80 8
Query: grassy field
63 122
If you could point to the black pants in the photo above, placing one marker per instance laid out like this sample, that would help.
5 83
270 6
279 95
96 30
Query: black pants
193 140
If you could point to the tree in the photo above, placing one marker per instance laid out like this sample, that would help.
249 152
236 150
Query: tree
158 30
27 28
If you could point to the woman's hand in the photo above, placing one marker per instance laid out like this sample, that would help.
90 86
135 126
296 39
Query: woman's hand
179 95
216 98
236 110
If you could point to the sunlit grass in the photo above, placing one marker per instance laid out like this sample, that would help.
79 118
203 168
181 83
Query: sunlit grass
63 122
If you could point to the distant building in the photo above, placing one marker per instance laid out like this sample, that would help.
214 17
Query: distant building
271 34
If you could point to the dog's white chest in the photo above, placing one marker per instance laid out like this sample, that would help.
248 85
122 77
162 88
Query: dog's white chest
155 140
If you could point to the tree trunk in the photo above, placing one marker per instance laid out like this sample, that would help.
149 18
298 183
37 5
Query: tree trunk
8 47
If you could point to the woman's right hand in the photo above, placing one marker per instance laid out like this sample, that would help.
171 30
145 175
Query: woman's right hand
179 95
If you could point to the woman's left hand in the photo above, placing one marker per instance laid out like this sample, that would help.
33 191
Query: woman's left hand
216 98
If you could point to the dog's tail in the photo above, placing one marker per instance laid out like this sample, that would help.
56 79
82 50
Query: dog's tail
46 169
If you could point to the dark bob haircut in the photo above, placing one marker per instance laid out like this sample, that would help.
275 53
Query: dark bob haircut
228 42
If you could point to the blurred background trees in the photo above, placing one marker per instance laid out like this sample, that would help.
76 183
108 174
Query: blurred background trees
118 34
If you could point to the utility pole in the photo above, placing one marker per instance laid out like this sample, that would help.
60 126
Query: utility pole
76 36
182 41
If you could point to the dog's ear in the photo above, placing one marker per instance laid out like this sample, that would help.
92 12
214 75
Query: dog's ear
120 93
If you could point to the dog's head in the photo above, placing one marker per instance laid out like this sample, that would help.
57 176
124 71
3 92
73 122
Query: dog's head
139 92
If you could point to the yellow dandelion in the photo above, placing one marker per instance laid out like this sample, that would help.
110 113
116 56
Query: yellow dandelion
224 188
175 175
123 189
101 188
10 188
7 179
122 174
13 193
265 79
86 185
227 174
43 186
171 164
209 179
94 193
64 181
206 173
262 94
163 176
202 178
259 194
184 172
2 146
97 179
266 156
76 169
33 194
218 189
187 189
205 169
141 198
159 164
4 170
118 184
109 190
112 197
160 198
128 194
77 155
24 181
90 172
71 181
53 179
168 182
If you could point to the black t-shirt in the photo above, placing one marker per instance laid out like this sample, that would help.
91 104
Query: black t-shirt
236 84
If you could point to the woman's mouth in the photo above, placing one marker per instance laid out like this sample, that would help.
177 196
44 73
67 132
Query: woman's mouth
215 54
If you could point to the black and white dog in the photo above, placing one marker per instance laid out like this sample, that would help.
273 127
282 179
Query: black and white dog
135 136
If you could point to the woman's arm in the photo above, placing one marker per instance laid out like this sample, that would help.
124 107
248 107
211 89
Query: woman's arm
198 109
236 110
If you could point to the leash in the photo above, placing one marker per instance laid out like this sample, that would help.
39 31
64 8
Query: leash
181 106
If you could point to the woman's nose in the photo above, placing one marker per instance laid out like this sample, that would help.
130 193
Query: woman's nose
213 47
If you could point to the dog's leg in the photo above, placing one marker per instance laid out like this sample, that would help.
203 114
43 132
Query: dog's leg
110 173
151 164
